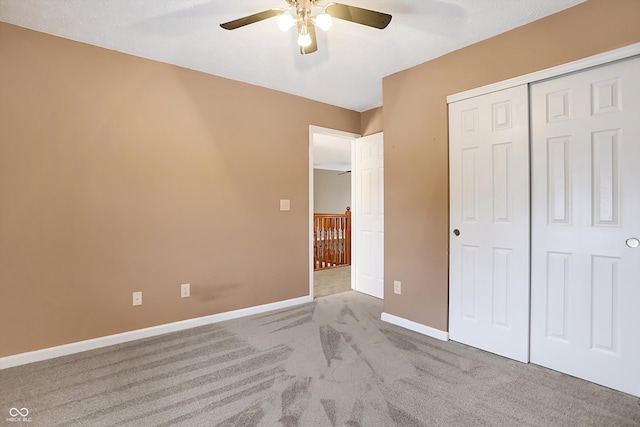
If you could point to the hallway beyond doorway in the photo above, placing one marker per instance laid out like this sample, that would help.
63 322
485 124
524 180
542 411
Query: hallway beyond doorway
331 281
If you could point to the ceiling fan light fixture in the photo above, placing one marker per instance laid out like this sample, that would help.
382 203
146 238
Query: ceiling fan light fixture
304 39
306 15
286 21
324 21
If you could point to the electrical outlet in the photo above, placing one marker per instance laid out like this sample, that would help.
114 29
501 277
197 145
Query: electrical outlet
185 290
397 287
137 298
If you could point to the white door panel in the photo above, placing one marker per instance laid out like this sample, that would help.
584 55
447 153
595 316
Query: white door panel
489 207
585 289
368 215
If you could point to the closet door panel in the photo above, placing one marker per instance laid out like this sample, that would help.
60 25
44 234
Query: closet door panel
585 288
489 217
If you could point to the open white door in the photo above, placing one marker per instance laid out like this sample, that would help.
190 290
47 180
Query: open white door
585 283
368 215
489 218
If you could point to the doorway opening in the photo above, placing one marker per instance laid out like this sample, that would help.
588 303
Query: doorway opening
330 193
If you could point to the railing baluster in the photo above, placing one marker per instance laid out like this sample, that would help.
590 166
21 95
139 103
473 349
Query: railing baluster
332 240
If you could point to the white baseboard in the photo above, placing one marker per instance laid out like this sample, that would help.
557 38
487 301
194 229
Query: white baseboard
415 327
80 346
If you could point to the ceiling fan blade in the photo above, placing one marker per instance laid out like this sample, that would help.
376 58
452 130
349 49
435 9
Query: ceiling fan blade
314 41
358 15
251 19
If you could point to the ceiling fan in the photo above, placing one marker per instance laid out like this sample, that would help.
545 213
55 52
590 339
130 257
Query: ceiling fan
307 14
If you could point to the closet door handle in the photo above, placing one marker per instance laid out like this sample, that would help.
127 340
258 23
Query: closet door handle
456 232
633 242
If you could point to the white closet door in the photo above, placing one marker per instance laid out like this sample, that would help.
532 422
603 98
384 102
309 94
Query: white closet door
585 291
489 219
368 215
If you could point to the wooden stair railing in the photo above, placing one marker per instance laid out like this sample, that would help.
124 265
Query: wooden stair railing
331 240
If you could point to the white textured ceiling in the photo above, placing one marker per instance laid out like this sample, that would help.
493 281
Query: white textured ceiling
346 71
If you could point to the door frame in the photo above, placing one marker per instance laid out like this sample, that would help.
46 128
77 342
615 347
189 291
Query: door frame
326 131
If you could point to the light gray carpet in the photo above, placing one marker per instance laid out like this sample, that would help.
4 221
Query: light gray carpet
327 363
331 281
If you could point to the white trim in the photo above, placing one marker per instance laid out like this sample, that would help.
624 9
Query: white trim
570 67
92 344
415 327
327 131
354 220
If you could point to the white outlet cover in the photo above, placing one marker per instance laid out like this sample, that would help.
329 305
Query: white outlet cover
185 290
137 298
285 204
397 287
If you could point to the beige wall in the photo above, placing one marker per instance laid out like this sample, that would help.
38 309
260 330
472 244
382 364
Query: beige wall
415 131
371 121
120 174
331 191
